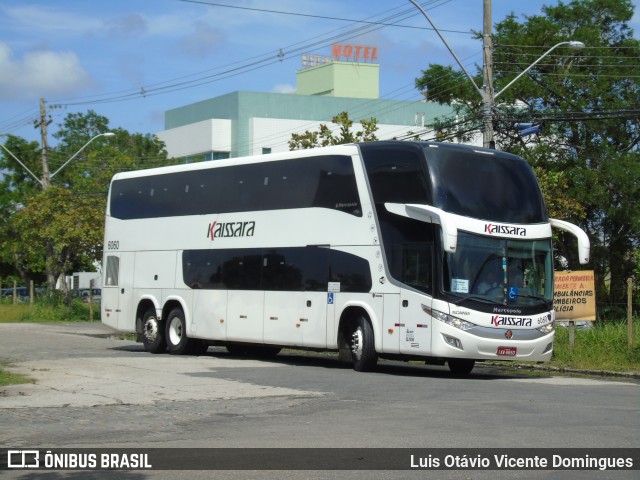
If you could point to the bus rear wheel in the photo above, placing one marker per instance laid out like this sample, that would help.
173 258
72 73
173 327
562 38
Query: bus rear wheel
363 352
153 338
460 366
176 334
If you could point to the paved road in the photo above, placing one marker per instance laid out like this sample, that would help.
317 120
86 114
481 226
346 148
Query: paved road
95 390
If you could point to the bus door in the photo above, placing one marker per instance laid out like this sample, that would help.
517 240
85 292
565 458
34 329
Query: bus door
390 322
312 320
415 322
117 292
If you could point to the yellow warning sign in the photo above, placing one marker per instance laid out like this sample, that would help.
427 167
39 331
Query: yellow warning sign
574 296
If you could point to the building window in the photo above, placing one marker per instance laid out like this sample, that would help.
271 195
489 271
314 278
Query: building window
216 155
266 150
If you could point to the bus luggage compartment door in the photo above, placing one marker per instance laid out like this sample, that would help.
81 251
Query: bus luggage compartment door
245 310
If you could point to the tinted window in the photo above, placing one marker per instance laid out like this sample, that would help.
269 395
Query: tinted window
243 272
296 269
326 182
499 187
397 173
279 269
408 245
352 272
112 272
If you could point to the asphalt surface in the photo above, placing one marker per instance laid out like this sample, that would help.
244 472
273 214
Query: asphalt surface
94 389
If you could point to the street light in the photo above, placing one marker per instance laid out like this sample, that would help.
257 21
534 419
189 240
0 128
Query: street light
18 160
45 181
488 97
572 44
106 135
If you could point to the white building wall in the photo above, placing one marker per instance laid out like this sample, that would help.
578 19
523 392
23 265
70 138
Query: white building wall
83 280
197 138
265 133
275 133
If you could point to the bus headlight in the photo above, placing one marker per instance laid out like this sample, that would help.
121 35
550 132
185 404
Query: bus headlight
448 319
548 328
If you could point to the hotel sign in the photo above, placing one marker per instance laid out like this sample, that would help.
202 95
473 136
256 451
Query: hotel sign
354 52
346 52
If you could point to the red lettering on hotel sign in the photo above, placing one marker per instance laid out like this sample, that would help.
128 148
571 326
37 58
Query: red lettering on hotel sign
354 52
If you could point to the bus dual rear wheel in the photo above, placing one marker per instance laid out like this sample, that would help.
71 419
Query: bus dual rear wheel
153 333
176 336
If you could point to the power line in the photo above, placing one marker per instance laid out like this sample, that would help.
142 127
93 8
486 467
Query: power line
324 17
253 63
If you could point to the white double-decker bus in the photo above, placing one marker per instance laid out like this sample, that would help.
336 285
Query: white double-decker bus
409 250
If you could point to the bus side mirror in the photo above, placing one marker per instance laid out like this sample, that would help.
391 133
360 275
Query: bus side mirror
584 245
429 214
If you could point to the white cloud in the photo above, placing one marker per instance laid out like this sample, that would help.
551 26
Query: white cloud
51 20
283 88
40 73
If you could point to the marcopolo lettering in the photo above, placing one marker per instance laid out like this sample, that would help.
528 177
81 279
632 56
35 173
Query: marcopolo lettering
512 311
230 229
499 320
505 229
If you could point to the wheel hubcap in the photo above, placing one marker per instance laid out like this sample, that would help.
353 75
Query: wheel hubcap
356 343
151 329
175 331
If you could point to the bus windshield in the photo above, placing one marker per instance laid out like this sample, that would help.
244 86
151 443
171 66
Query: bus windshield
505 271
498 187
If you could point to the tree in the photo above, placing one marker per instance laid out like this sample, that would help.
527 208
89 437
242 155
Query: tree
65 231
588 107
15 184
55 231
325 137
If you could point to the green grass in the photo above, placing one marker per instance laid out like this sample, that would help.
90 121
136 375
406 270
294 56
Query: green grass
13 313
43 311
8 378
604 347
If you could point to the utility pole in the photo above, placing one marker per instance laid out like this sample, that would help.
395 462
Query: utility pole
487 78
46 180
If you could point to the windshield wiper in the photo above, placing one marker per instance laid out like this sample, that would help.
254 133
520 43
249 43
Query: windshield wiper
535 297
475 297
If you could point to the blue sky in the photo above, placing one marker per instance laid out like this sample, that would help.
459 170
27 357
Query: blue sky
131 60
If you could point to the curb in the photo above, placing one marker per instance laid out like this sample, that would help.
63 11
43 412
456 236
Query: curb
553 369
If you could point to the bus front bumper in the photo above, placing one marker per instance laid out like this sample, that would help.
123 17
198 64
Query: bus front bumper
484 343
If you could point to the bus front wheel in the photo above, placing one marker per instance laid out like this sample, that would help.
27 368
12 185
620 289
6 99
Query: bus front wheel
460 366
153 338
363 352
176 334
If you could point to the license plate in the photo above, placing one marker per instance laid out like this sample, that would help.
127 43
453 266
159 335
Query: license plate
507 351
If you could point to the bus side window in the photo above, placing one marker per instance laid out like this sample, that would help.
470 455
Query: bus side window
112 271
